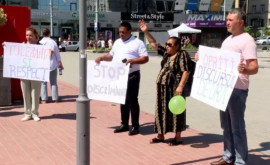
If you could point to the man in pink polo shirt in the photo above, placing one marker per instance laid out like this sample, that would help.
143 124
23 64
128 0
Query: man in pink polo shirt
232 120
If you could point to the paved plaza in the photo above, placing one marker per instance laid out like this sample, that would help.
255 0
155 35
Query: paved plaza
53 139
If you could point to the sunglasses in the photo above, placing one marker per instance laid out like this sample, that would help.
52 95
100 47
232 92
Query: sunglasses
168 44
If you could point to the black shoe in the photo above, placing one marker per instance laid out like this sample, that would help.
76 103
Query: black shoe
122 128
133 131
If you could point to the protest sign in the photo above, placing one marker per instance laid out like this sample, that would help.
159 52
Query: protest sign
26 61
107 81
215 76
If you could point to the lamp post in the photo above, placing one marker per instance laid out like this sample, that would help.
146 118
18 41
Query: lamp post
83 108
96 20
51 17
224 10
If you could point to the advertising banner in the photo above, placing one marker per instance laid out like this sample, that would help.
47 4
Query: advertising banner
192 4
107 81
180 5
26 61
215 76
215 5
204 5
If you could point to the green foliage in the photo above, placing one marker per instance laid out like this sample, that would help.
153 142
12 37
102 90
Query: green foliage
190 47
266 31
3 17
258 34
248 29
252 34
76 36
149 47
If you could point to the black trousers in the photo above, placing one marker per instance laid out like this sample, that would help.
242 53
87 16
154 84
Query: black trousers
132 103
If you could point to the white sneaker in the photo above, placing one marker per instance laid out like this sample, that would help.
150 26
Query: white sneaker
25 118
36 118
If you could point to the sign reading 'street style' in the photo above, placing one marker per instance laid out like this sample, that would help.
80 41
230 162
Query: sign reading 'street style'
215 76
26 61
107 81
147 17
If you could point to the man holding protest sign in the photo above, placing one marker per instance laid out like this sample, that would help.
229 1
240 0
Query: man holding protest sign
232 120
130 50
55 63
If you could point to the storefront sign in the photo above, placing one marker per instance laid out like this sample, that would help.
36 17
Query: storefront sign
93 15
147 17
215 76
206 17
71 15
206 23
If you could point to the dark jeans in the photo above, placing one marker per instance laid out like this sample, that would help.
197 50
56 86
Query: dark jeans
234 128
132 103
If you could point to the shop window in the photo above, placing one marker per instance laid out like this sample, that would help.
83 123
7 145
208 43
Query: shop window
45 23
253 8
73 6
262 8
161 6
34 23
170 5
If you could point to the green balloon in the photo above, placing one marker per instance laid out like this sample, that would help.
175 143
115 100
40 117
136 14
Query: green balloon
177 104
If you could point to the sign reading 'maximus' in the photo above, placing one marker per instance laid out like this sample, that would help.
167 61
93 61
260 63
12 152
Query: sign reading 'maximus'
147 17
205 17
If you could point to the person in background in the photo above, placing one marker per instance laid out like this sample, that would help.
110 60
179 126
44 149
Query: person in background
102 43
55 63
232 120
175 61
110 43
132 51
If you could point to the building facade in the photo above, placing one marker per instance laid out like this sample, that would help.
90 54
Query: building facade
161 16
258 13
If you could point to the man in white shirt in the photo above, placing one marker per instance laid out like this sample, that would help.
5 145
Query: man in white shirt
54 64
131 50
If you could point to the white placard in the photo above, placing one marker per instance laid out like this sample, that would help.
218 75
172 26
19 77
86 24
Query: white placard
107 81
215 76
26 61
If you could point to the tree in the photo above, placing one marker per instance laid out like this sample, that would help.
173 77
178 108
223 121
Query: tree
258 34
3 17
248 29
266 31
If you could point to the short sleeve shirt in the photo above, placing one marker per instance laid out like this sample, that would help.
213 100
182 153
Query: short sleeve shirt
129 49
245 45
